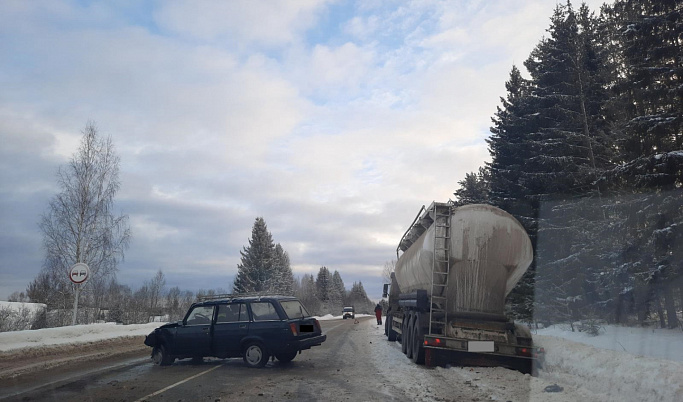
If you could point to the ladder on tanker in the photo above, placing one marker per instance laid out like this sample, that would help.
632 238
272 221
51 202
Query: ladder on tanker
441 267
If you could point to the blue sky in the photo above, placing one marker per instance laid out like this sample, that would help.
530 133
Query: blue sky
334 120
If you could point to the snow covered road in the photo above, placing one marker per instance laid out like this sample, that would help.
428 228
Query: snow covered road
575 370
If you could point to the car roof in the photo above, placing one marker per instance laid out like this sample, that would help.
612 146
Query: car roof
243 299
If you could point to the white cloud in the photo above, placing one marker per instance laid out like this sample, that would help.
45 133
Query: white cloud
240 23
223 111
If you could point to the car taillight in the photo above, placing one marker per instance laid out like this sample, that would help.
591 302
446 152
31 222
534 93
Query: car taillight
292 326
317 325
524 352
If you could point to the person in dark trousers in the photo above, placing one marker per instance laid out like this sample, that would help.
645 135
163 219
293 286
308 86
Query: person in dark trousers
378 314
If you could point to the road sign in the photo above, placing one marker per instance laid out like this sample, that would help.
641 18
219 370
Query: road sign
79 273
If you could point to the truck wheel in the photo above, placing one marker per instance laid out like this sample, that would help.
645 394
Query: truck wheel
404 335
255 355
391 334
417 341
409 336
160 356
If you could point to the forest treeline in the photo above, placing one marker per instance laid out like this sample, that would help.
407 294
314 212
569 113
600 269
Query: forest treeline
587 153
264 269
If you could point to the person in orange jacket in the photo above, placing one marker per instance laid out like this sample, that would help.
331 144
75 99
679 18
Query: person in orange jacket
378 314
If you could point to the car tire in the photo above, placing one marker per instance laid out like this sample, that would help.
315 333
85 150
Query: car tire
160 356
286 357
255 355
344 317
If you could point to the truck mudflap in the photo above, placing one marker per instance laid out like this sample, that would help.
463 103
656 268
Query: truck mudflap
308 343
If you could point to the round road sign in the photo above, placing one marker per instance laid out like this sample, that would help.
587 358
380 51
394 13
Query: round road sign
79 273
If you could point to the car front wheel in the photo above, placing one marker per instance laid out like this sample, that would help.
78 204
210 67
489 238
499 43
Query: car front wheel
161 357
255 355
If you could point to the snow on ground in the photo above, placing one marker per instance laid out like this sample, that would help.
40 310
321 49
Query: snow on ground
621 364
17 306
652 342
584 372
70 335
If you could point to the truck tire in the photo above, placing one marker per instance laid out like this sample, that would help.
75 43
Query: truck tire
404 335
418 356
391 334
409 336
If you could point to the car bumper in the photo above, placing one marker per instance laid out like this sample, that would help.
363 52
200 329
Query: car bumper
310 342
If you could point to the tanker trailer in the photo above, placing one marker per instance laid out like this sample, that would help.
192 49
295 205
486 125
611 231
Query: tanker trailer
448 289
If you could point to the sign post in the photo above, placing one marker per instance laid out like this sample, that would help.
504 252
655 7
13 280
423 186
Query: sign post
78 274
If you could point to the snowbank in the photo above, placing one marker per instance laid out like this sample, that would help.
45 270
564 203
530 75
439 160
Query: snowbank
660 343
70 335
18 306
610 374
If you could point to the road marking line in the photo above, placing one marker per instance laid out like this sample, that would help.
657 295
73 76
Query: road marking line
178 383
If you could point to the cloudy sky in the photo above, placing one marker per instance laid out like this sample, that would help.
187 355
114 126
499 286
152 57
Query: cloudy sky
333 120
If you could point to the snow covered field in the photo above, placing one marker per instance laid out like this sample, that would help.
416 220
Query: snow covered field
621 364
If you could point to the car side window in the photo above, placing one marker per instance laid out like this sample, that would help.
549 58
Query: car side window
232 313
200 315
264 311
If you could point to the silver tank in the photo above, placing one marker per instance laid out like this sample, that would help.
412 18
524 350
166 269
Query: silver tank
488 251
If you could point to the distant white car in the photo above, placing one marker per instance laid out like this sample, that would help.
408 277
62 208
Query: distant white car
349 312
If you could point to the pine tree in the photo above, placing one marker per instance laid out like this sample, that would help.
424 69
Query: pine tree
649 102
359 299
256 270
323 284
283 280
474 189
337 293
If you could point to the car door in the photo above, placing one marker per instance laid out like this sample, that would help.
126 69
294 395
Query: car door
267 325
232 324
193 338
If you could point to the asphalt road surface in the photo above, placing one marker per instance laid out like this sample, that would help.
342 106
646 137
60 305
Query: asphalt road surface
338 370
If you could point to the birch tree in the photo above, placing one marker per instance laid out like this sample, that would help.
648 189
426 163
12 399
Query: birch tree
79 224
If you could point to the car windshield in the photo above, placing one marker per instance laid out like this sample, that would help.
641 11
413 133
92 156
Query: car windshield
348 309
294 309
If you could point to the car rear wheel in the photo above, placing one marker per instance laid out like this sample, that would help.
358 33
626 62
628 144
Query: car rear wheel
255 355
160 356
286 357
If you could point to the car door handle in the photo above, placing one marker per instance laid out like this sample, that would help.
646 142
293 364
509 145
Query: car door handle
243 325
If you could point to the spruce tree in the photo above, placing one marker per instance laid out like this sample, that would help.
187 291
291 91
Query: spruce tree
474 189
257 267
323 284
649 101
283 280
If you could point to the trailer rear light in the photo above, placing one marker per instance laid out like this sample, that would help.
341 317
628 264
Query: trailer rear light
292 326
432 342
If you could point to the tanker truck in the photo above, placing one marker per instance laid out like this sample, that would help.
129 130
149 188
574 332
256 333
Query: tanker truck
455 267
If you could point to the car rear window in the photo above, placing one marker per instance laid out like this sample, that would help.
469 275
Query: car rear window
294 309
264 311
